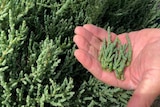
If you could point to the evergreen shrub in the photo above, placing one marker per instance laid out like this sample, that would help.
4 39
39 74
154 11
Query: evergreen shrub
37 65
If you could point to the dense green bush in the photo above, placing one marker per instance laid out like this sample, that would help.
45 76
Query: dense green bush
37 65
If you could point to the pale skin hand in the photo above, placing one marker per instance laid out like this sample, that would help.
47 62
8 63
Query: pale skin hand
143 74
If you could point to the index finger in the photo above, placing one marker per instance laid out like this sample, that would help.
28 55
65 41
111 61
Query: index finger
100 33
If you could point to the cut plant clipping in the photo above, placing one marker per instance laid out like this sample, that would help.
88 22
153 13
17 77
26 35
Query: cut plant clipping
115 56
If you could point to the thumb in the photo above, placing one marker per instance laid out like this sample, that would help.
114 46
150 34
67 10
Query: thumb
146 92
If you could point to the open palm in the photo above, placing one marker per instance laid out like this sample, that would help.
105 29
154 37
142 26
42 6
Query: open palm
143 74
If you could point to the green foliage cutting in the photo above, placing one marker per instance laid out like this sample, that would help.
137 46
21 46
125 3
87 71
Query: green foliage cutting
115 56
37 65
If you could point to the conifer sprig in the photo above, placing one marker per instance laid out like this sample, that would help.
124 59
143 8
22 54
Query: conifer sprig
115 56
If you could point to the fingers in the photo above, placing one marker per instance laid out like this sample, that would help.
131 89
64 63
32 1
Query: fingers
83 44
88 36
89 62
100 33
146 92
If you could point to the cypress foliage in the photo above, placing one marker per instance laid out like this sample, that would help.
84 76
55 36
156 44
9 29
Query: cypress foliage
37 65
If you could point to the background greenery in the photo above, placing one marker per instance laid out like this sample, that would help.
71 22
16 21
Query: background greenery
37 66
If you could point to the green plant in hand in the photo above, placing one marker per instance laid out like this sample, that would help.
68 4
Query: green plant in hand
115 56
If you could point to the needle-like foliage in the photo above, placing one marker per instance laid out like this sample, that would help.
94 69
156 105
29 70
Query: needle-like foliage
37 64
115 56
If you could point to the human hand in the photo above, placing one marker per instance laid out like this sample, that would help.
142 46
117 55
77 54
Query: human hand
143 74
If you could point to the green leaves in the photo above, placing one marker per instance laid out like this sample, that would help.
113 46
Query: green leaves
115 56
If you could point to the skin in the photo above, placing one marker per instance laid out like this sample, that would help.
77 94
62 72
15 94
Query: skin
142 75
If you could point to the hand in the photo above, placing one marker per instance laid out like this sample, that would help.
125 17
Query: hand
143 74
